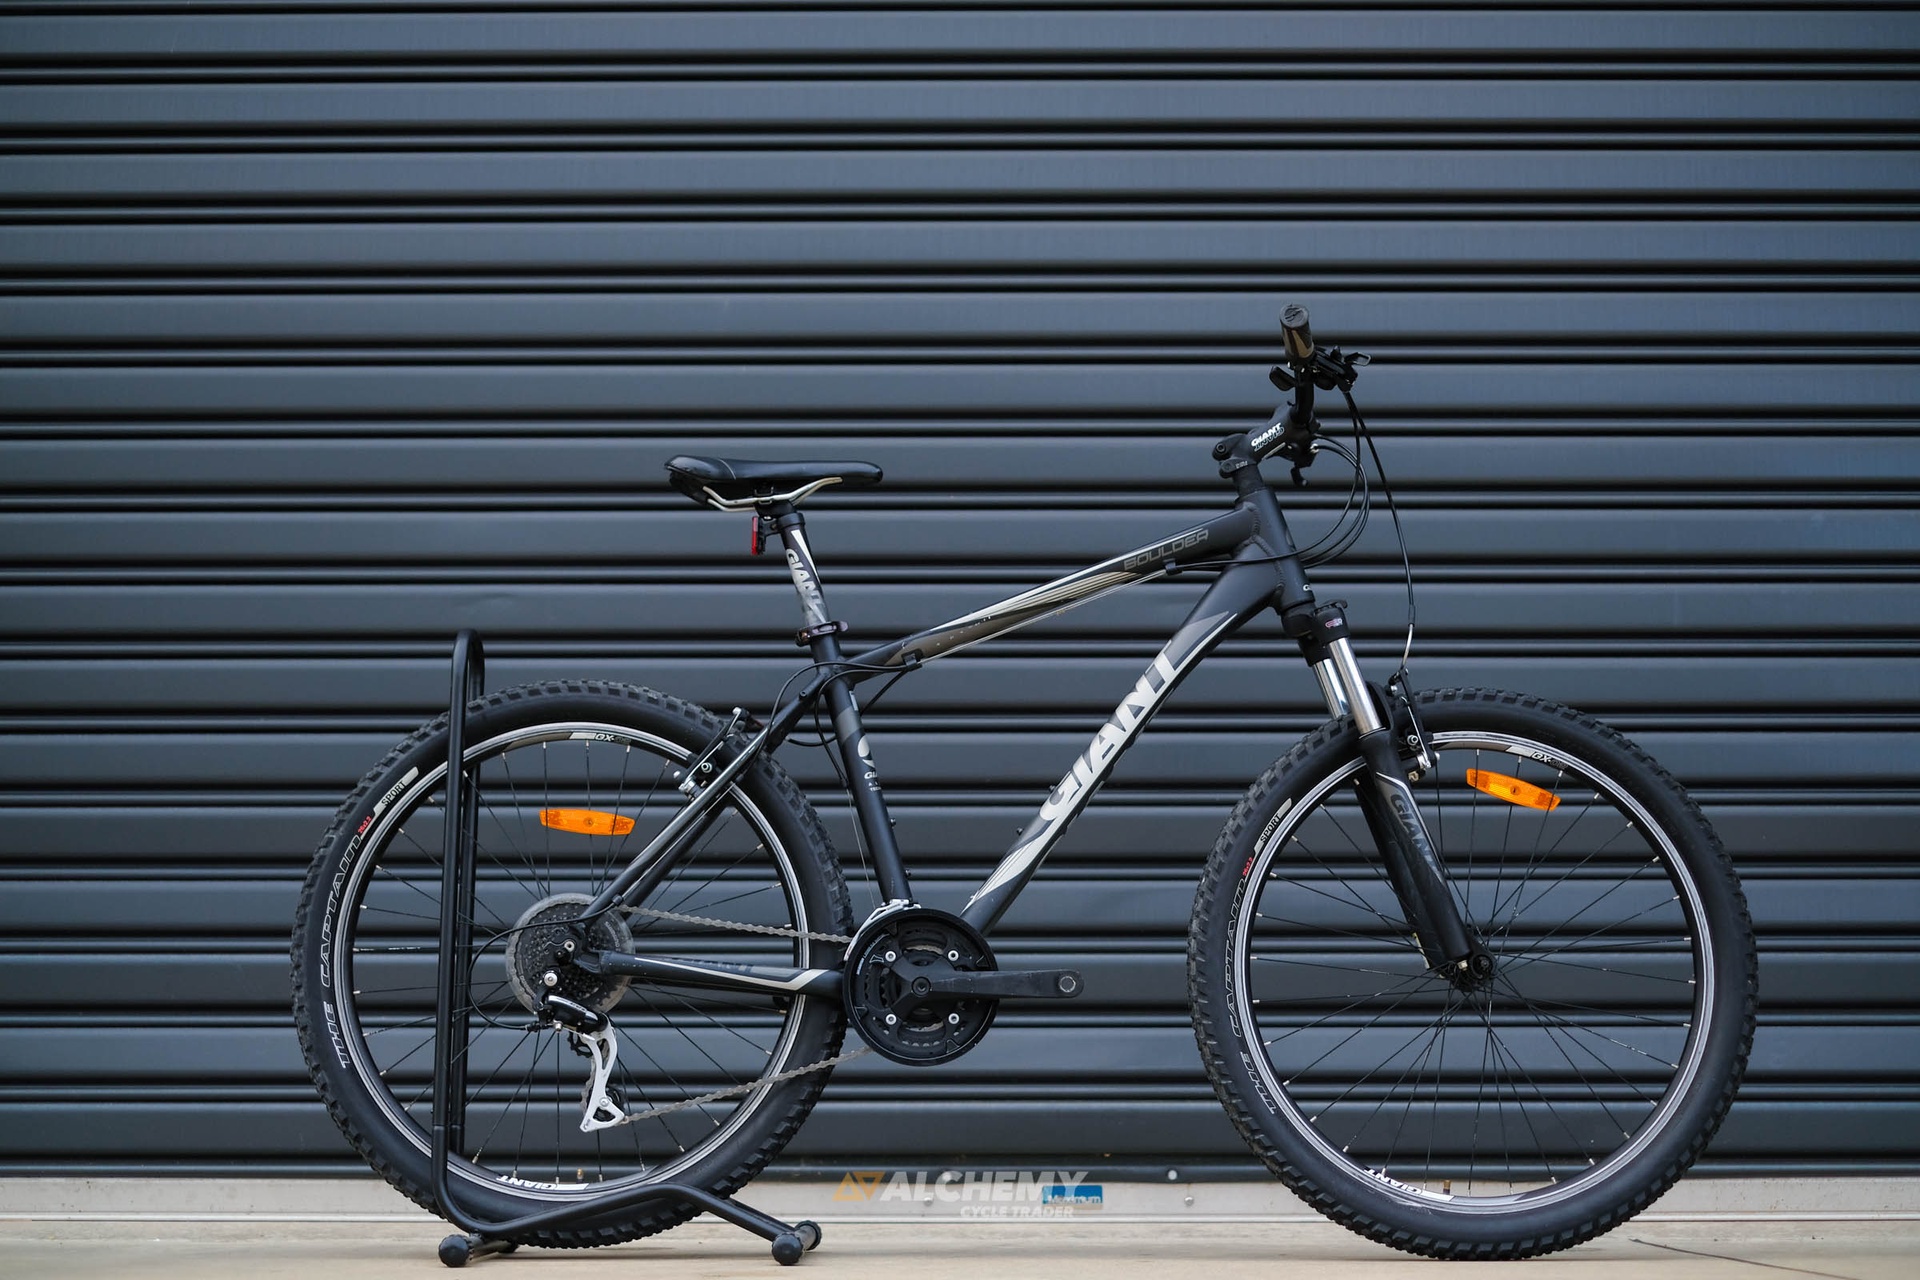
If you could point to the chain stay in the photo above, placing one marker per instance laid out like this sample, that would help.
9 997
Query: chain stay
596 1107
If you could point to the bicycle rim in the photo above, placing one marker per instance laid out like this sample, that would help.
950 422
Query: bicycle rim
1542 1082
525 1082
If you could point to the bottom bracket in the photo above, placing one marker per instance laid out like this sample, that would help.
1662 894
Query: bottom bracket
889 969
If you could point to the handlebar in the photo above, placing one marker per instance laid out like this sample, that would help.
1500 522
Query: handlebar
1308 367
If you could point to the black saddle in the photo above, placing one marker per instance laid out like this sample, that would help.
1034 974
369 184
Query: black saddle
734 483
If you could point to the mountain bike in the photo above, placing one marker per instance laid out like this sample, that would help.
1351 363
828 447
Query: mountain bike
1469 971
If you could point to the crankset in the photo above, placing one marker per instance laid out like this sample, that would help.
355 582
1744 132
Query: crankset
921 986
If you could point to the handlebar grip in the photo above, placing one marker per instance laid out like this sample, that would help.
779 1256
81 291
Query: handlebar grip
1298 334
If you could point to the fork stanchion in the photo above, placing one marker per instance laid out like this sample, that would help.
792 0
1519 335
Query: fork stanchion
481 1237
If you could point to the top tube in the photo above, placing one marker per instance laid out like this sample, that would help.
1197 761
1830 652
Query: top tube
1213 539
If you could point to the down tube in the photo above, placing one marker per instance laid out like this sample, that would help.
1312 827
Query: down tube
1239 593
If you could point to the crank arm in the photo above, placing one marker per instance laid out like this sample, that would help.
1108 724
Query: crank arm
1002 984
718 975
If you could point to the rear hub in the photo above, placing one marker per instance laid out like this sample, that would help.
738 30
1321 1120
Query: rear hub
539 963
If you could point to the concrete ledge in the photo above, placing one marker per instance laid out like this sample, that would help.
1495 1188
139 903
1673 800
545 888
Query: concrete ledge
947 1251
879 1196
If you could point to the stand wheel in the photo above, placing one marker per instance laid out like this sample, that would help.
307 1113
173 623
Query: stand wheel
458 1250
787 1248
809 1234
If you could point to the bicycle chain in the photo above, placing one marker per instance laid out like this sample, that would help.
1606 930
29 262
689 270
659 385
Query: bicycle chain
736 1090
737 925
751 1085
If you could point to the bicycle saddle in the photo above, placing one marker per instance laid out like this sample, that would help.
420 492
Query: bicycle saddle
735 483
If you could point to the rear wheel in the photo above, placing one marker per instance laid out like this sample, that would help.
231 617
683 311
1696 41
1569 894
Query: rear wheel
572 781
1502 1116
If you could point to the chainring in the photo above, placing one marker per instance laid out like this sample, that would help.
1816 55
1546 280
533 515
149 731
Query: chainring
902 951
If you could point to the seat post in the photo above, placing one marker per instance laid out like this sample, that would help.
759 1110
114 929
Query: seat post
792 528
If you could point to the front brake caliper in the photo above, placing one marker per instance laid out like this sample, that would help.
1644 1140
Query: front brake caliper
1409 734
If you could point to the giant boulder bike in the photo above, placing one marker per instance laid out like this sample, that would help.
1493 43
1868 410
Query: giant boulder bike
1468 970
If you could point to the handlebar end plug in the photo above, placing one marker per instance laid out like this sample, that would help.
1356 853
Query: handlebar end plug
1297 332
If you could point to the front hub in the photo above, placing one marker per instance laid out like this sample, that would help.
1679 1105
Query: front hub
1475 973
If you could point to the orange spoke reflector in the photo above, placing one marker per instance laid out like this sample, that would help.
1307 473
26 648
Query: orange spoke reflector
1512 790
586 822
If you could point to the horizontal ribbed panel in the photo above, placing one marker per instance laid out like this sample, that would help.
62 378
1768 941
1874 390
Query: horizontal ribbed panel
326 330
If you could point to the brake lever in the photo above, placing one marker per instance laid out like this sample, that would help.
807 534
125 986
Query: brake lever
1333 369
1328 369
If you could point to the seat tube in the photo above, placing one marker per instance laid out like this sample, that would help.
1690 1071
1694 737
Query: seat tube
820 634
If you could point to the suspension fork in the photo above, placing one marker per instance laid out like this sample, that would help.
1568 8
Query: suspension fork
1386 801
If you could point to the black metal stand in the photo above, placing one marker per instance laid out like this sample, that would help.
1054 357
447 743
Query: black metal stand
482 1237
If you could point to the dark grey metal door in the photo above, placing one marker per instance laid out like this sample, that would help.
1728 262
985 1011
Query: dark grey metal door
329 331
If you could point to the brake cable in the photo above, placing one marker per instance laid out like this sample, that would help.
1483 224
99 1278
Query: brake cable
1364 432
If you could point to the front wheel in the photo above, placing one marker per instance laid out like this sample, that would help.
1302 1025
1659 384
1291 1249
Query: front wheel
1494 1116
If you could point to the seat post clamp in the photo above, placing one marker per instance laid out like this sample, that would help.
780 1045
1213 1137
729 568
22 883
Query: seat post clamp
807 635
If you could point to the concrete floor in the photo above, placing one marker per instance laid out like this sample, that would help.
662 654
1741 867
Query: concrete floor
73 1250
359 1229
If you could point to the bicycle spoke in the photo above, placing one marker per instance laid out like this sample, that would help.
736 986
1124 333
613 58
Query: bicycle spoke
1328 1017
1383 1077
1412 1066
1342 968
1353 895
527 1123
1600 968
1526 954
1372 938
1500 1052
1565 875
1597 901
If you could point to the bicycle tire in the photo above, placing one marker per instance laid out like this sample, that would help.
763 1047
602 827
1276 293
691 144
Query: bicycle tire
367 929
1571 1091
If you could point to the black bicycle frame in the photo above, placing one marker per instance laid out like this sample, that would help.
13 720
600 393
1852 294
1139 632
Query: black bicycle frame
1245 586
1259 568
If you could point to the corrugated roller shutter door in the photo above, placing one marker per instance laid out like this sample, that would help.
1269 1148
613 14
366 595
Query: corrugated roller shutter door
330 330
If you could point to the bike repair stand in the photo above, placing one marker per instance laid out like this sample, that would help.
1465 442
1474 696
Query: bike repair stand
450 1048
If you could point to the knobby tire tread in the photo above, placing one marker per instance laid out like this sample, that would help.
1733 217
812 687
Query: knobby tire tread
650 1220
1328 1202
